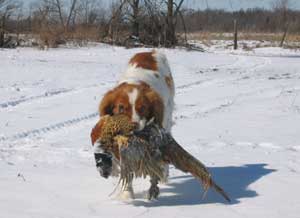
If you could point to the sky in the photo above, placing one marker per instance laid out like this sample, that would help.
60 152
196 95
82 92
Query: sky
237 4
230 5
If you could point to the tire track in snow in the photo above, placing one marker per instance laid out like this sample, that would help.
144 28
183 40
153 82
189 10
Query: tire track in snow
189 85
236 66
242 65
50 128
47 94
23 100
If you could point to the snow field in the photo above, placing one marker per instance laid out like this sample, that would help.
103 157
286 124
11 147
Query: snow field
239 113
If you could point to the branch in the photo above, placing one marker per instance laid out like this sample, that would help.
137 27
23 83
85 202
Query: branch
71 12
178 7
184 27
58 5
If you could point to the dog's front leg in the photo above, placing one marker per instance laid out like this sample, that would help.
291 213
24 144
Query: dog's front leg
154 189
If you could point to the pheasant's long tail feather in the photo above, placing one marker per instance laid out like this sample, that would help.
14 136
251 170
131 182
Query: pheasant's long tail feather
185 162
221 191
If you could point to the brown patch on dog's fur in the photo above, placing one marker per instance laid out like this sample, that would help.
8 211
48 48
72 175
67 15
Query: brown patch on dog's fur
156 107
144 60
169 82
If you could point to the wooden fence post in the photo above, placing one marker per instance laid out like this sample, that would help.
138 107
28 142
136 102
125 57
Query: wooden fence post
284 34
235 35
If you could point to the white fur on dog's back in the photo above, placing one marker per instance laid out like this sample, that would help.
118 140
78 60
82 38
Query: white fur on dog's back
157 81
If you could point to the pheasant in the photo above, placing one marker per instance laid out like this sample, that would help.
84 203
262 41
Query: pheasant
143 153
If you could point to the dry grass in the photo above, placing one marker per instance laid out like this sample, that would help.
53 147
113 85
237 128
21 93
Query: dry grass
52 37
259 39
242 36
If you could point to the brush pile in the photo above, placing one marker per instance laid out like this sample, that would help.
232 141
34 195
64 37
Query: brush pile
143 153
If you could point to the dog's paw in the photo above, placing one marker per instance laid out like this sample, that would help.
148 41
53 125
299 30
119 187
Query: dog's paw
126 195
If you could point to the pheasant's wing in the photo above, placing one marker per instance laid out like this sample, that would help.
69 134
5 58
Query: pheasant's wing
137 158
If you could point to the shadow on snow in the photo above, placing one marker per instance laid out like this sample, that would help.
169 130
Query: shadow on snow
188 191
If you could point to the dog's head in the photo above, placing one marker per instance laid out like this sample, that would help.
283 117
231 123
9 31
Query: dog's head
139 102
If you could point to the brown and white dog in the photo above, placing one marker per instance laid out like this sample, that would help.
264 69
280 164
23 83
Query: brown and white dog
145 92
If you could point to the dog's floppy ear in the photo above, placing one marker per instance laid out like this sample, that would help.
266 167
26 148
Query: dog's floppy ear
107 104
97 131
156 107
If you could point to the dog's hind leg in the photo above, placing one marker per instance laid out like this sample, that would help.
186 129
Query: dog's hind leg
154 189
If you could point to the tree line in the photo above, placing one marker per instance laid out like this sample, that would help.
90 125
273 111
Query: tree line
133 22
251 20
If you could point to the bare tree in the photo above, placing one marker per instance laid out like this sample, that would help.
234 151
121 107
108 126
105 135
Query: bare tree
135 6
65 12
7 9
171 21
61 11
89 11
281 6
19 16
163 16
115 19
150 21
57 5
124 12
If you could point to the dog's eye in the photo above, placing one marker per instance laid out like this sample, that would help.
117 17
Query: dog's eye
142 109
121 109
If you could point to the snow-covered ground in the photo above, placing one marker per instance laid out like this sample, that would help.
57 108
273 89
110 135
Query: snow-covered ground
238 113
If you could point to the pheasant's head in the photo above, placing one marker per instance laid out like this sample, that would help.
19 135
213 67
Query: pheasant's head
108 127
